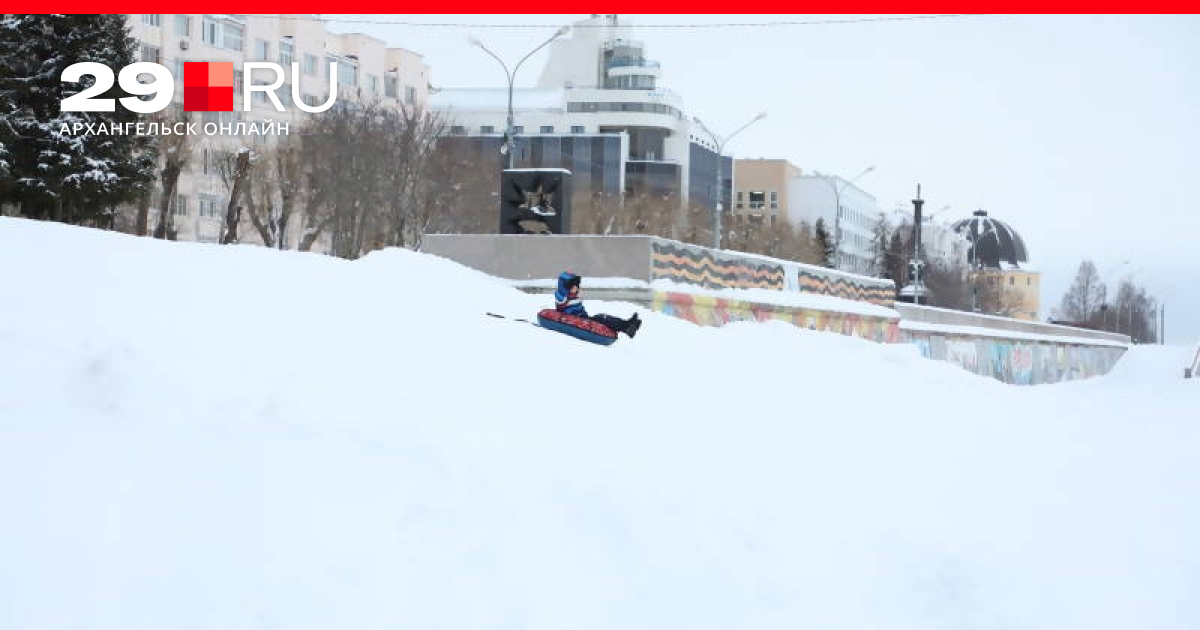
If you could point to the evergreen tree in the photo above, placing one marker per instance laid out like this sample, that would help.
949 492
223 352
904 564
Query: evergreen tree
76 177
880 238
824 244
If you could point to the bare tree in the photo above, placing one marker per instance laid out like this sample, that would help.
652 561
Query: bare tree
234 169
1083 301
175 152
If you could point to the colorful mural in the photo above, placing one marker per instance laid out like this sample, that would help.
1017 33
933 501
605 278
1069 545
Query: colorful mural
689 264
714 311
697 265
1017 362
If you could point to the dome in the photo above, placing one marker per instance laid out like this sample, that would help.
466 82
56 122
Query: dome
997 241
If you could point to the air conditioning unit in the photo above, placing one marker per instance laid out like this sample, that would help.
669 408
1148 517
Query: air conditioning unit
183 44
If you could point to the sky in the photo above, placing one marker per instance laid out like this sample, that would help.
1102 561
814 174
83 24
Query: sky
1079 131
368 464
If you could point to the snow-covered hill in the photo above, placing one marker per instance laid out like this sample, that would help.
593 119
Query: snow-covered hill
204 437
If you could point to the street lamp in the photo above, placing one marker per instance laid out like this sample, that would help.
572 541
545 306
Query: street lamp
837 217
507 147
717 208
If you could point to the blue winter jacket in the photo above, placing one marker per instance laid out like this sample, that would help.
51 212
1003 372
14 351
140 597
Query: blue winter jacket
562 296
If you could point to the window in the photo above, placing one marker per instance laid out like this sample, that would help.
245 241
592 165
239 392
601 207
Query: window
372 84
233 36
262 49
210 31
151 53
179 76
391 87
310 65
287 53
547 129
774 196
285 94
487 129
577 129
180 206
458 130
183 25
757 199
518 129
205 167
348 73
239 82
410 95
260 98
152 19
208 207
309 100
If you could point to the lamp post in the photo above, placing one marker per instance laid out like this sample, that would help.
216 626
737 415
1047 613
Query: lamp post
507 147
718 206
837 217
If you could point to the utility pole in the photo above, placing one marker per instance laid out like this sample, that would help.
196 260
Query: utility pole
916 259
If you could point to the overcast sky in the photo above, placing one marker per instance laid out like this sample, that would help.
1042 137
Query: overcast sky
1081 132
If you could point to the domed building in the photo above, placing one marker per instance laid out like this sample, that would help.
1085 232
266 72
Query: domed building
1000 284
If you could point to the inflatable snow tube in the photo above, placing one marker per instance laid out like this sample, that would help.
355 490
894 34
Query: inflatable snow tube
578 327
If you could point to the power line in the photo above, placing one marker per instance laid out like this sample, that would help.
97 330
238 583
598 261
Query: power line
693 25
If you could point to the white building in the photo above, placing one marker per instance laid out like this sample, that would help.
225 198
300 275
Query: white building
367 70
849 212
598 82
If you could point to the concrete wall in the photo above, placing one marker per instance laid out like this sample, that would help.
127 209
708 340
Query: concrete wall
948 317
1009 350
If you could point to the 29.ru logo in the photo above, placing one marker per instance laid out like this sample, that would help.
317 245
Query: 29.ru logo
207 87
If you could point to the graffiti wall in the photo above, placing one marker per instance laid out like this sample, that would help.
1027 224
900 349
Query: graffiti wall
714 311
1014 361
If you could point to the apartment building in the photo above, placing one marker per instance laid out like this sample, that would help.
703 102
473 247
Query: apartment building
849 212
367 70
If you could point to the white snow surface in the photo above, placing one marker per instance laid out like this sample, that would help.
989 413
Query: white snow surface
204 437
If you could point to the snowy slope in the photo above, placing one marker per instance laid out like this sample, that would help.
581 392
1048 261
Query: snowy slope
209 437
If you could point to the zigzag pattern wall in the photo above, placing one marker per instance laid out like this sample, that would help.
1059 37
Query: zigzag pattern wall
713 311
840 287
697 266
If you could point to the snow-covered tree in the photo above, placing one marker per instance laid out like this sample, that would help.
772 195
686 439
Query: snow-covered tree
72 177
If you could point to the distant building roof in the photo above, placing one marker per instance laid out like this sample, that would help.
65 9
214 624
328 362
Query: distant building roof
992 242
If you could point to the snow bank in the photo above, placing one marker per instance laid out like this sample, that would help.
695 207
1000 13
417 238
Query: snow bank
196 436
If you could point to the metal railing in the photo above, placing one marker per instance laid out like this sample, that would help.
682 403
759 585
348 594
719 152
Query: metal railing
1193 370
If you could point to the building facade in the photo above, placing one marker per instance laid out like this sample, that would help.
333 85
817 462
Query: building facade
849 212
762 190
367 71
597 82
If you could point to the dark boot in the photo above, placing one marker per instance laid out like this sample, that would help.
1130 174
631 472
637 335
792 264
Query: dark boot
632 325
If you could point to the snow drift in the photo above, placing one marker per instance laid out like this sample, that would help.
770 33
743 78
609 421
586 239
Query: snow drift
205 437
